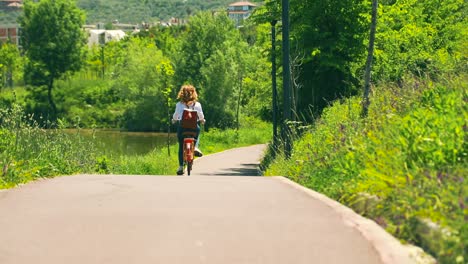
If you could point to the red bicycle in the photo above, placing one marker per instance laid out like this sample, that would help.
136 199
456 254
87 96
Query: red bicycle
189 126
189 149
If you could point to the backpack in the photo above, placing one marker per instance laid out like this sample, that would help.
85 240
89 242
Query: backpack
189 119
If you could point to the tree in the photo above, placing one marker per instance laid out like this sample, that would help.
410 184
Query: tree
208 60
328 42
206 34
370 54
9 56
139 81
331 35
53 40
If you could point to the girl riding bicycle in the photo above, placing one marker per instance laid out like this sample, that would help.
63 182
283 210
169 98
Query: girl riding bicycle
187 100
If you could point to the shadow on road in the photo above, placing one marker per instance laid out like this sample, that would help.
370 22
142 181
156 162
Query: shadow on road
244 170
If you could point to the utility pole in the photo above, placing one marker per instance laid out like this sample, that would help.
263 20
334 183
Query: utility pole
286 133
273 83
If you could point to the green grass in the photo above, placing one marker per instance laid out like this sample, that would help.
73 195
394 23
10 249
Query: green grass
410 155
28 152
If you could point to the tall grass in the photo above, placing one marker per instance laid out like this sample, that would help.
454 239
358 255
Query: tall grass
409 156
28 152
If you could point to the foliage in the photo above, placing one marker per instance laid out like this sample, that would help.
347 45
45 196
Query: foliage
167 39
206 35
52 39
28 152
121 84
419 38
87 103
128 96
9 96
327 49
139 83
410 153
9 61
218 62
134 86
328 40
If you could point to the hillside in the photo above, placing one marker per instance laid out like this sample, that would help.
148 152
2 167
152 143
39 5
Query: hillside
136 11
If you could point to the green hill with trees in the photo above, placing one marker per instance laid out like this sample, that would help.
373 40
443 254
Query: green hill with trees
136 11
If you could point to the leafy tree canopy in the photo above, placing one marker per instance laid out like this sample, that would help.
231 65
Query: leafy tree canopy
52 39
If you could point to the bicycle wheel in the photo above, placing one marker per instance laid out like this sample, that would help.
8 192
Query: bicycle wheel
189 167
188 153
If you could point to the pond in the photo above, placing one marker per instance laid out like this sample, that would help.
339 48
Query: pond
115 142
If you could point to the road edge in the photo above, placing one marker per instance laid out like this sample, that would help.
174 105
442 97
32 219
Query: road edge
389 249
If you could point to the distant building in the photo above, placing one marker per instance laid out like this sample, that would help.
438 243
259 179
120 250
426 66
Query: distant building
174 21
239 11
102 36
10 33
124 27
11 5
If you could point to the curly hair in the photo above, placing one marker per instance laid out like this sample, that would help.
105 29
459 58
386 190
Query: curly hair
187 94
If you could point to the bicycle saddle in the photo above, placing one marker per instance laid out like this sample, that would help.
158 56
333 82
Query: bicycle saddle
189 133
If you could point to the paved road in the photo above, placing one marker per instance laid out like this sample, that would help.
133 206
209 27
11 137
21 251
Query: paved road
203 218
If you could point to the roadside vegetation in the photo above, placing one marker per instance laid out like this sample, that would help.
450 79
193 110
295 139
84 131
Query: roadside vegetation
404 166
29 151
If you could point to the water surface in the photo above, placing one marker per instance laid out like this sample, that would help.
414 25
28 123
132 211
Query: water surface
115 142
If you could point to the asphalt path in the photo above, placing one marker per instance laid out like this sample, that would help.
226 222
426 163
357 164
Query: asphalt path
224 213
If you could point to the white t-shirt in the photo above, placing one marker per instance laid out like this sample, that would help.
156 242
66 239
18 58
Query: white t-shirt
179 110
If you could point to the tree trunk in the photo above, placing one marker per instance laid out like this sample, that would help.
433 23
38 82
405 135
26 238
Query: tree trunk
51 99
370 54
168 126
9 77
